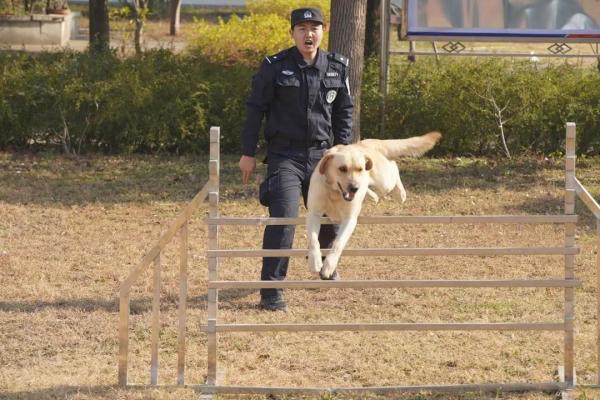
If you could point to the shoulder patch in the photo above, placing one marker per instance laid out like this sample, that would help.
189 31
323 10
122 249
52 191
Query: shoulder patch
339 58
276 57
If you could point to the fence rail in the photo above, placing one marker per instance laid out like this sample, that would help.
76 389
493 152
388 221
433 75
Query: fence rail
388 220
392 326
406 252
395 284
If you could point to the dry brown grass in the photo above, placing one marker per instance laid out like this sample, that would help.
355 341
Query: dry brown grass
70 230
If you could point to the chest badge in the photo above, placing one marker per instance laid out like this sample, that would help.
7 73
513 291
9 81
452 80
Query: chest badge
332 74
287 72
331 96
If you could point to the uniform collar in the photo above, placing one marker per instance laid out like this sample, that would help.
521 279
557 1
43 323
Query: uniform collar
320 62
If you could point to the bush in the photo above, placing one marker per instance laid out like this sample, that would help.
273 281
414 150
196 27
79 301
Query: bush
453 96
248 40
241 41
154 102
165 102
283 8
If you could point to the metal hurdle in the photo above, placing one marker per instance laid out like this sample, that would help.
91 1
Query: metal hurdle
212 385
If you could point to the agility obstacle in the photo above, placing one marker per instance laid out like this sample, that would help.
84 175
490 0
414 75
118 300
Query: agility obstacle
212 385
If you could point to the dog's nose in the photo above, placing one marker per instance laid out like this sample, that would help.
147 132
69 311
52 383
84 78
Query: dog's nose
353 189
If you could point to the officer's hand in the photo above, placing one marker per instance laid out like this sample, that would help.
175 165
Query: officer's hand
247 165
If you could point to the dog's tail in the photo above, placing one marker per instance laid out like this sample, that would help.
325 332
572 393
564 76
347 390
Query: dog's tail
413 146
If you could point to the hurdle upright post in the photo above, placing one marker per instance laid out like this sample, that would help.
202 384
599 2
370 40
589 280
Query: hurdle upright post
182 309
570 159
598 300
213 261
155 329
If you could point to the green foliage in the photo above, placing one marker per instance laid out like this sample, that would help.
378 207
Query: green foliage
283 8
454 97
247 40
241 41
164 102
6 7
157 101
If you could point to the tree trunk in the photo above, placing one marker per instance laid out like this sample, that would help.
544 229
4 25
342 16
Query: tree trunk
175 17
140 8
373 29
99 30
347 37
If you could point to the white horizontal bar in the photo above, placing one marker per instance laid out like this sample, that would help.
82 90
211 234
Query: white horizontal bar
473 251
474 326
365 284
587 198
456 219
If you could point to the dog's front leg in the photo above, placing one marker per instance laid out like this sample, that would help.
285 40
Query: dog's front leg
346 228
313 226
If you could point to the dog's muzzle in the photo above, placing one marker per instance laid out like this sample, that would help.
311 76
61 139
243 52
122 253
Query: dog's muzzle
348 195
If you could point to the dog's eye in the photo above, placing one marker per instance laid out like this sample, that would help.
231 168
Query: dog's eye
343 169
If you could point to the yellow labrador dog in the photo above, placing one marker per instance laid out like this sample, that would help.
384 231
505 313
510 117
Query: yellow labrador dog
342 179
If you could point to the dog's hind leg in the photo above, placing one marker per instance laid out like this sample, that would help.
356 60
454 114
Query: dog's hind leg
398 191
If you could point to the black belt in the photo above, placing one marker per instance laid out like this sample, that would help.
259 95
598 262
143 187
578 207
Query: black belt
301 144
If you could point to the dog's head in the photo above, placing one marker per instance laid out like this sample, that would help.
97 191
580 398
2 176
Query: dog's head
346 171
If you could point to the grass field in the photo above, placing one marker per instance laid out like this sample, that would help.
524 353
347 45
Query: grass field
71 229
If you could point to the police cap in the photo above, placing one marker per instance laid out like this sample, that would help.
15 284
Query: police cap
306 14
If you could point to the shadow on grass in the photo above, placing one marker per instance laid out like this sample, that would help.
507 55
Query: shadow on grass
63 392
86 305
102 392
136 306
554 205
54 180
148 392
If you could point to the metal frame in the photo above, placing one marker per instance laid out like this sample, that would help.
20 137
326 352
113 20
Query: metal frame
493 35
557 41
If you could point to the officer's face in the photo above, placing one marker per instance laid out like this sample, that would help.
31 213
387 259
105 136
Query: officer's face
307 37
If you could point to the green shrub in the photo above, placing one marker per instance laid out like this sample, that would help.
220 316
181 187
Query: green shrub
164 102
248 40
283 8
241 41
453 96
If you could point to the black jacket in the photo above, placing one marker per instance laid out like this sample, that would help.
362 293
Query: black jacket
303 104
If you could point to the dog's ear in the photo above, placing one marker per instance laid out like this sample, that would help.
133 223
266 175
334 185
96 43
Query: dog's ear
324 162
368 163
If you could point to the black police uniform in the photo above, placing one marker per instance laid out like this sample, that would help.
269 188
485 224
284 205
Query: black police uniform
308 109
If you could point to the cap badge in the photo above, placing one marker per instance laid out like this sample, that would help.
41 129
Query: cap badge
287 72
308 14
331 96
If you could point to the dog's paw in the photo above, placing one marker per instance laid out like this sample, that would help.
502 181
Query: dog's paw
402 194
374 197
399 193
315 263
329 266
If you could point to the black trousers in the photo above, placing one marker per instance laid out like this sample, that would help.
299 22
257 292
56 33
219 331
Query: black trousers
288 174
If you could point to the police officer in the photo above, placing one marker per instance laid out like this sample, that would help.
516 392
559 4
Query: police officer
303 92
